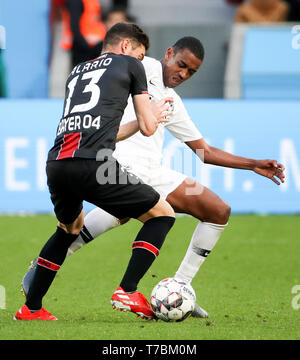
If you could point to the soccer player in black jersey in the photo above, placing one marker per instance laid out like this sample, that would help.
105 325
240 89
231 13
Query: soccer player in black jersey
80 167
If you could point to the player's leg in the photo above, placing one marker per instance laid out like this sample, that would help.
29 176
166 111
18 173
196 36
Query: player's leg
96 223
68 210
210 209
132 198
213 214
99 221
157 223
145 249
49 262
123 194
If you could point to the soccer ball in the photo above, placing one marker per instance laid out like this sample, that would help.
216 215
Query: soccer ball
173 300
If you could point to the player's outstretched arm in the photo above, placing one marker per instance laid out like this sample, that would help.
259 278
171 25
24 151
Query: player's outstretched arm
270 169
211 155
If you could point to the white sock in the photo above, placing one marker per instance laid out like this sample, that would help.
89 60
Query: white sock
96 222
203 241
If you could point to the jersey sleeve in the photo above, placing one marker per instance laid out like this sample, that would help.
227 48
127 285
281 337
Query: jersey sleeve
138 77
181 125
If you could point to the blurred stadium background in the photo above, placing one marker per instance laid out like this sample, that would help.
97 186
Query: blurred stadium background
244 99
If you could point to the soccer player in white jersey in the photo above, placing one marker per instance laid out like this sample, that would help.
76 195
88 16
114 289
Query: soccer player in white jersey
142 157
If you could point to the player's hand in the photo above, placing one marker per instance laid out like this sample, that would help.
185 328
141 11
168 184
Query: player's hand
162 109
270 169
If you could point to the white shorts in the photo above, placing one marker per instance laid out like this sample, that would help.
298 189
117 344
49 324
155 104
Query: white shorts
164 180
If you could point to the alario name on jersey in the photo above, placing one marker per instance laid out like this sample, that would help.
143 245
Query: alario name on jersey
92 65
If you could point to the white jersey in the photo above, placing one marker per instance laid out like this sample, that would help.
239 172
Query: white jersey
142 155
180 125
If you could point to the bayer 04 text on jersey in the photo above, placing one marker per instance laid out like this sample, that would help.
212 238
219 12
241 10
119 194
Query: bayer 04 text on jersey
78 123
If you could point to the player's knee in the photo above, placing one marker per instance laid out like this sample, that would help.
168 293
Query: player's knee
75 227
219 215
165 209
73 230
223 214
162 208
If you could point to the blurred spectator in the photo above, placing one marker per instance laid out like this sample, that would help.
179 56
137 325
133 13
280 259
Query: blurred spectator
294 12
258 11
115 15
120 3
83 29
70 44
234 2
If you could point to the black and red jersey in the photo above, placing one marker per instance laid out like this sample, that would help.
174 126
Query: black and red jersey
96 96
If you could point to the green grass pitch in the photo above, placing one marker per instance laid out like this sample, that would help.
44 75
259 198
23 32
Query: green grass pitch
245 284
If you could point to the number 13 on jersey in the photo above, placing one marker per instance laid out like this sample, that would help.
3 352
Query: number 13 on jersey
91 87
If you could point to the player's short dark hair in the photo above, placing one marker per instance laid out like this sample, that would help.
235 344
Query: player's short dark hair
191 43
121 31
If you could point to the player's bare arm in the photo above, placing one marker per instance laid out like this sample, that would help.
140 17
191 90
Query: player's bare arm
127 130
147 121
211 155
160 110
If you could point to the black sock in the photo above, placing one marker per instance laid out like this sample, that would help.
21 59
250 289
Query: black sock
145 249
50 259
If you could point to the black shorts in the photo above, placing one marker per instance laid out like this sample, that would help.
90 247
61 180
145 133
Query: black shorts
105 184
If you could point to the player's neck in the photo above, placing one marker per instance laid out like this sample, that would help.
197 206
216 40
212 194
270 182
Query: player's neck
163 65
112 49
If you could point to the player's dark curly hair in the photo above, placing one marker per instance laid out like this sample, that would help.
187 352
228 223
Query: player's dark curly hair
121 31
191 43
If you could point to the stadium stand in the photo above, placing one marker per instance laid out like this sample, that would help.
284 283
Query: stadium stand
210 20
262 63
236 64
27 47
271 71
